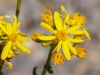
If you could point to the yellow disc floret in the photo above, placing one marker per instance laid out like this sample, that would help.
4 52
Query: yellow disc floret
61 35
58 58
78 18
12 37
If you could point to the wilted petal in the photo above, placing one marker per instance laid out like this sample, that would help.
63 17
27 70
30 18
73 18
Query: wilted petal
59 45
75 40
73 50
66 50
46 38
58 21
22 47
48 27
6 50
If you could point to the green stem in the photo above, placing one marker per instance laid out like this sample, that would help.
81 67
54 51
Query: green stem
1 67
1 62
18 8
48 61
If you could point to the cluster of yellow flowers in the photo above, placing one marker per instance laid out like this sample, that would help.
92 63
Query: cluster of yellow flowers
67 31
11 38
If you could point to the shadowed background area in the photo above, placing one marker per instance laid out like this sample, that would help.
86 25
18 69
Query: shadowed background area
30 22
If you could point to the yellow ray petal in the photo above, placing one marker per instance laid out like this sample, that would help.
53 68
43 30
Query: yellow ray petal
58 21
65 21
66 50
22 47
22 38
71 22
59 45
73 50
15 23
9 28
87 34
18 24
10 64
78 32
48 27
75 40
46 38
63 9
6 50
66 18
73 28
4 29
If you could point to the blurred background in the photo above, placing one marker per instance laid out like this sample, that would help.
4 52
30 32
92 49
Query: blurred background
30 22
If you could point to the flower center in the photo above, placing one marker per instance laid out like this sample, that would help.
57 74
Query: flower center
61 35
12 37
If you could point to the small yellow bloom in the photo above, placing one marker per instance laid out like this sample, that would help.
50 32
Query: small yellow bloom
35 36
78 18
14 37
58 58
47 18
81 52
62 36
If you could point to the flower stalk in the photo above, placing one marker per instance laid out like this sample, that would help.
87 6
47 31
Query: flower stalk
47 65
18 8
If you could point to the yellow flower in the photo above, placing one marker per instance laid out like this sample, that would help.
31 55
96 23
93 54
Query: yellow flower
47 18
14 38
81 52
80 20
58 58
77 19
61 34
